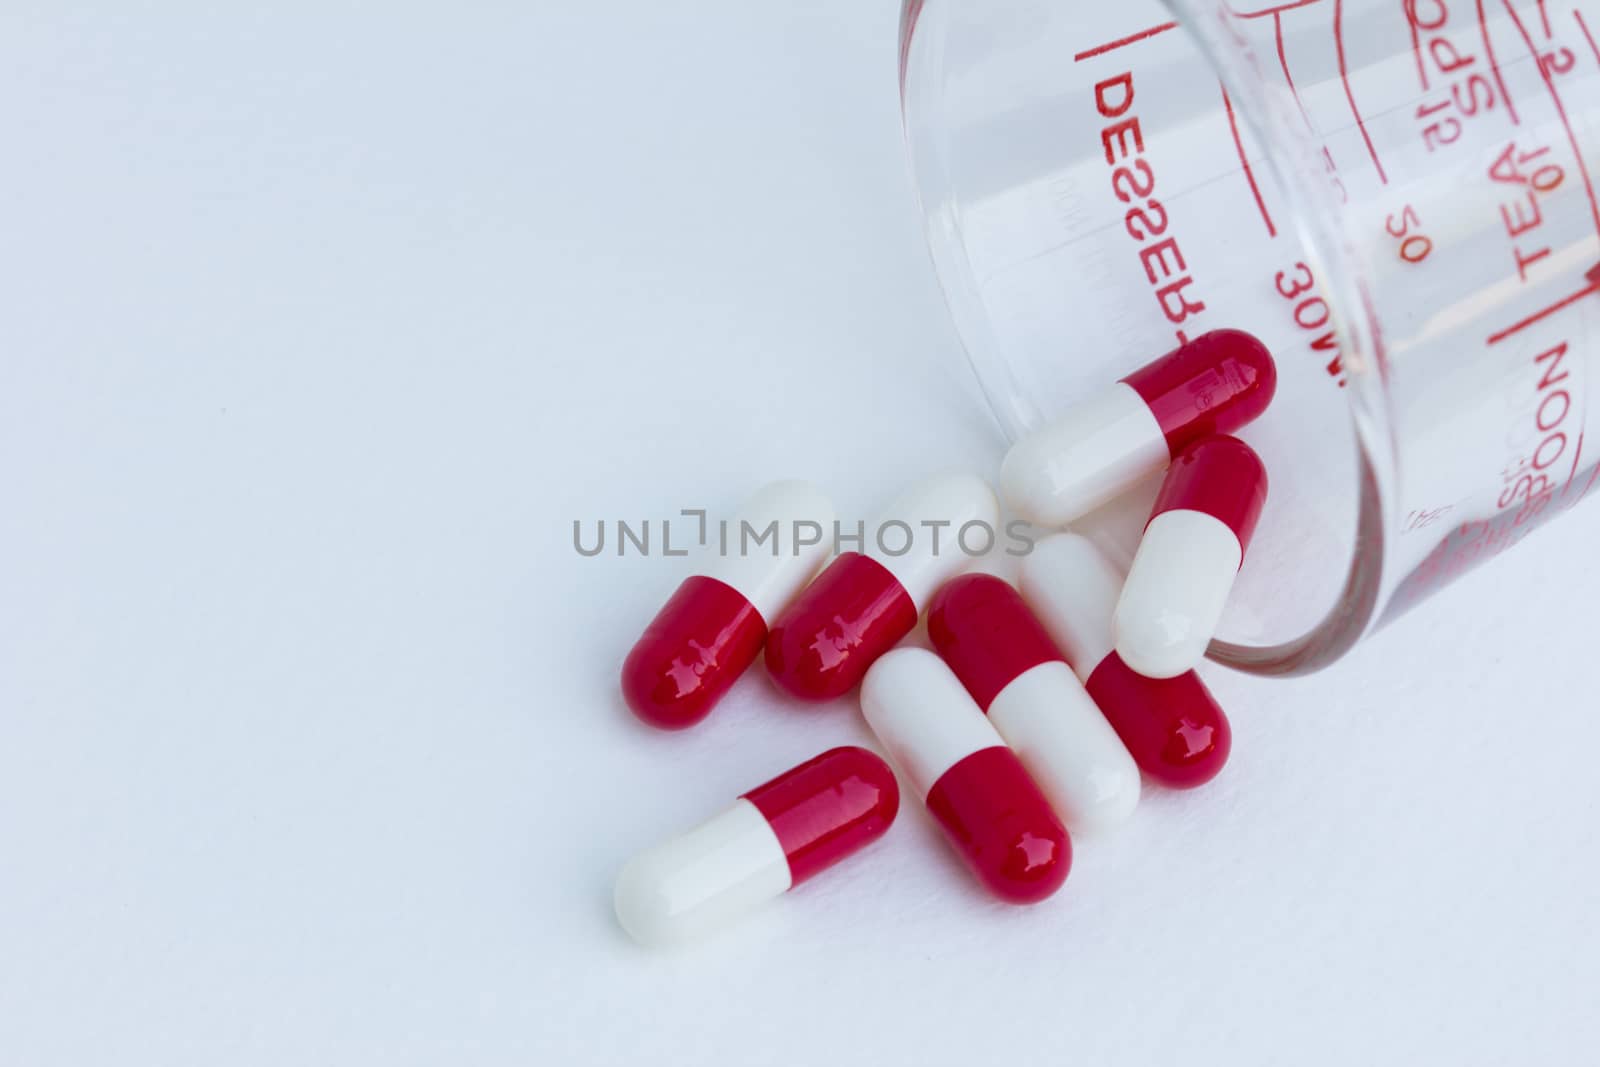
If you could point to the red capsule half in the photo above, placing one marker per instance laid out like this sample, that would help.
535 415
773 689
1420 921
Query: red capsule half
770 840
1002 825
1193 545
979 626
1001 652
977 789
692 652
1092 454
853 613
714 626
828 807
1217 476
1173 727
863 603
1215 384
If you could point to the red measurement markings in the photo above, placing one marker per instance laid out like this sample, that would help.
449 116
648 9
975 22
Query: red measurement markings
1312 315
1273 11
1527 483
1583 405
1249 175
1283 61
1344 76
1544 18
1132 38
1584 26
1288 79
1593 275
1416 46
1494 65
1133 182
1561 110
1496 338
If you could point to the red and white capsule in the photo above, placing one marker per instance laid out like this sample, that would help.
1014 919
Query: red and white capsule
1215 384
1172 727
714 626
973 785
1193 546
864 602
981 627
772 839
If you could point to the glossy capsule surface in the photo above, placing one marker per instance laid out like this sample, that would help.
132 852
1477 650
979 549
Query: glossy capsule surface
774 837
1173 727
1192 548
982 629
976 788
864 602
1215 384
715 625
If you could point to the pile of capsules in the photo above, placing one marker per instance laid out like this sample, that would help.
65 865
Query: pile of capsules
1040 705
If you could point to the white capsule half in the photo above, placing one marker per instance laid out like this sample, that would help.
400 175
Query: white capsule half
924 718
960 510
1073 588
774 545
1068 747
1176 591
1003 655
697 882
1081 461
993 814
1200 528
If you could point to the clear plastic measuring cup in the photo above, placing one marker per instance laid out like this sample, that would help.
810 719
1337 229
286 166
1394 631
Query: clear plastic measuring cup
1394 195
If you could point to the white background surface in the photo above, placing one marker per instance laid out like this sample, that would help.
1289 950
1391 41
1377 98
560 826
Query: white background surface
319 324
